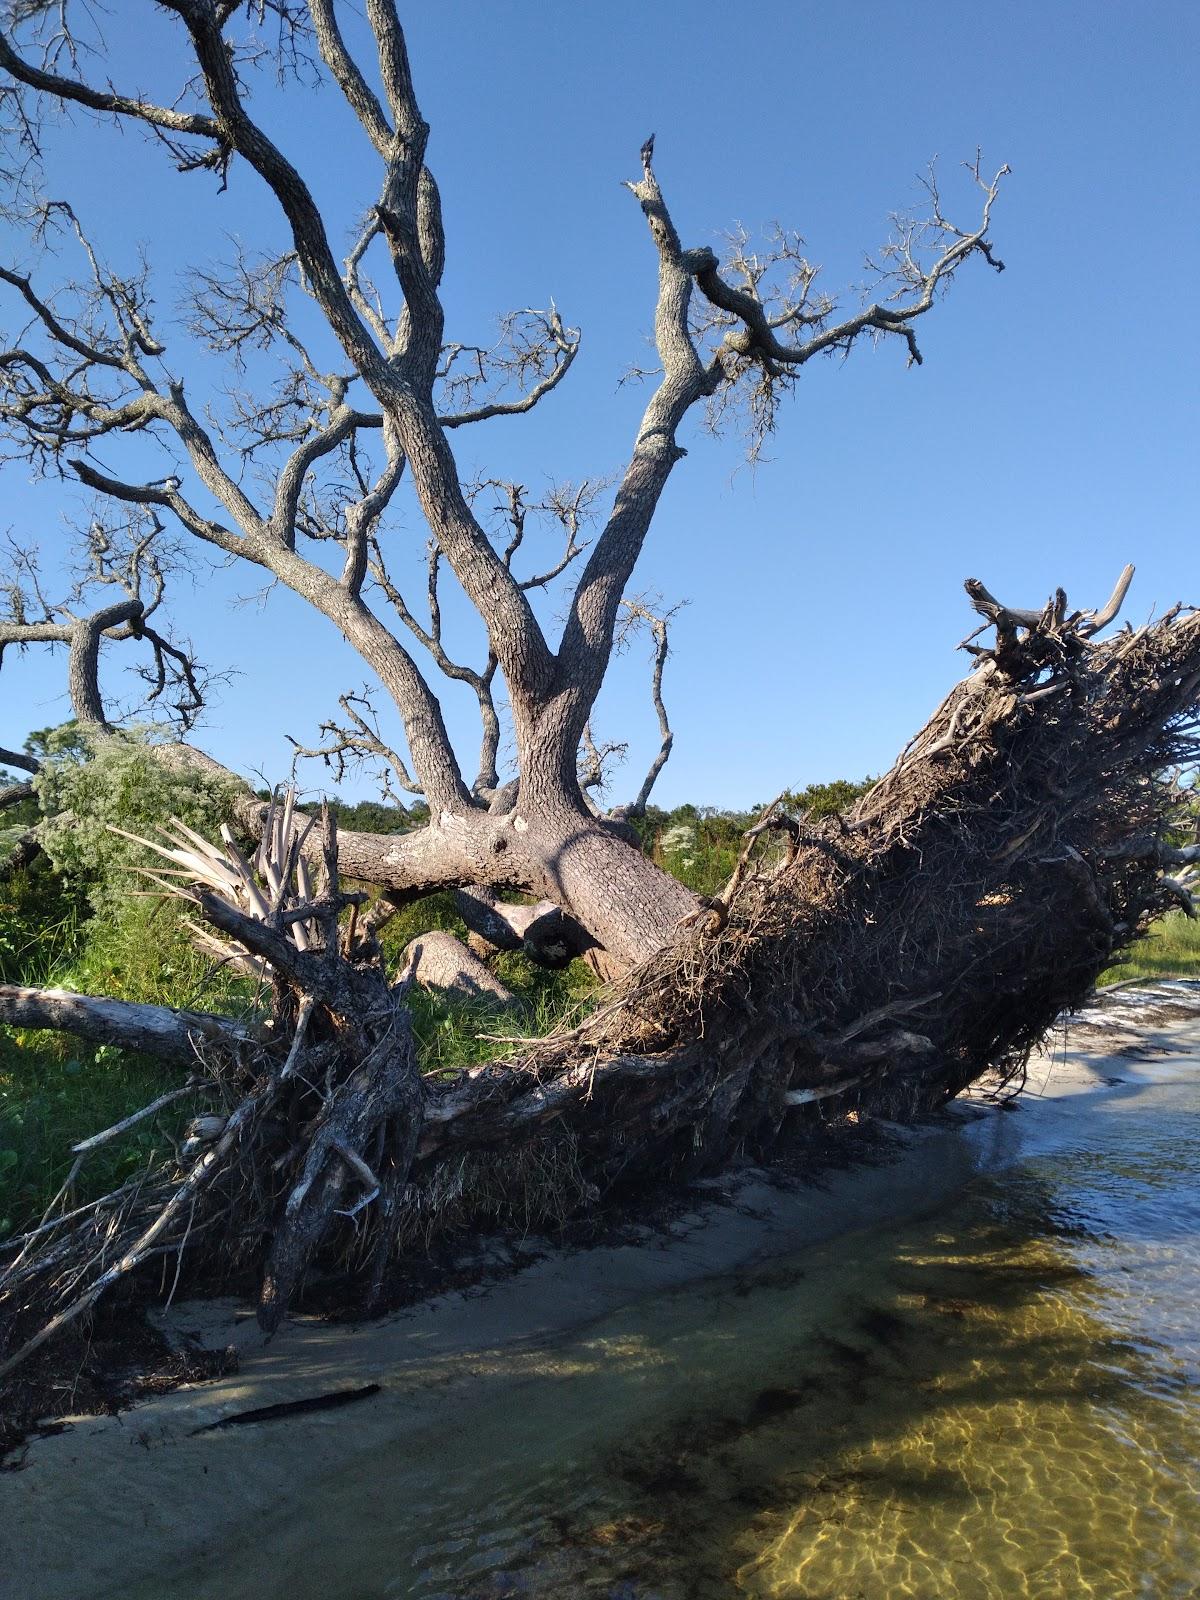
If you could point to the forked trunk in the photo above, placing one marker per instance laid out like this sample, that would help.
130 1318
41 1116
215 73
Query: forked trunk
618 906
628 906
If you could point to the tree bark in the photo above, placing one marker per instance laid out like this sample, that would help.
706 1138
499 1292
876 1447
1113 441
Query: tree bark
437 960
542 930
154 1030
613 903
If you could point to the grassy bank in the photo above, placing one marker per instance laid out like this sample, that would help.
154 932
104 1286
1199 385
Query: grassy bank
1170 950
56 1090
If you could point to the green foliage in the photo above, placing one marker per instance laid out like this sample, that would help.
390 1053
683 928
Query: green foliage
84 792
41 925
700 845
373 816
54 1091
76 919
451 1035
1171 949
65 741
823 799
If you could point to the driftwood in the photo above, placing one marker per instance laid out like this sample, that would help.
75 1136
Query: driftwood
876 961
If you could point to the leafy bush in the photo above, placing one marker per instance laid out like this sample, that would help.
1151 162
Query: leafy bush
41 925
76 919
84 791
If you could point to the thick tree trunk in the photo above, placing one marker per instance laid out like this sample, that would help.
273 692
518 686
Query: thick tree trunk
624 905
629 906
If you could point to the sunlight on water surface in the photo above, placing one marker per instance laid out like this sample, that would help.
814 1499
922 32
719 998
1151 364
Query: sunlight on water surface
997 1401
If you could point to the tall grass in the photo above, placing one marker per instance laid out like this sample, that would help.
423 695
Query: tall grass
56 1089
1170 950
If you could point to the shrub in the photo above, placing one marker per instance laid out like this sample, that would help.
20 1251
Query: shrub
87 788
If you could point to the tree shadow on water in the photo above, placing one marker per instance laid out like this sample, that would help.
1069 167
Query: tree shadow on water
873 1417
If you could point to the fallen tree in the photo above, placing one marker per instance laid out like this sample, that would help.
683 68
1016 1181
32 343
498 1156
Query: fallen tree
884 961
879 960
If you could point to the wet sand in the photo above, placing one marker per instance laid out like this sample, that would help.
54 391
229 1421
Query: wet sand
116 1505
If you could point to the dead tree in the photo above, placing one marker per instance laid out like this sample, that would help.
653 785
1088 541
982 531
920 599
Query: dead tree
883 961
374 404
879 960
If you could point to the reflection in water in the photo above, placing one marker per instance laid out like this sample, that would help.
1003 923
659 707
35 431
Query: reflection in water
998 1401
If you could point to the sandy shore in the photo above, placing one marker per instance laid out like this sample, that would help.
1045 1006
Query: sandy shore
110 1502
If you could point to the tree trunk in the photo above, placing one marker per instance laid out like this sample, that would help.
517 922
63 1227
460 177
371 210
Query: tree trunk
623 904
154 1030
629 906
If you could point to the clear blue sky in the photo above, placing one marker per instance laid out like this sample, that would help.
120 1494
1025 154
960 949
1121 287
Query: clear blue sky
1049 437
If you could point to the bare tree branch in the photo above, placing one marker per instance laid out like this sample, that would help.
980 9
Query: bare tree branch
104 101
658 624
346 747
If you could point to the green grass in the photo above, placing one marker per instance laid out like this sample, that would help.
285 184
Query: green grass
1170 950
55 1089
451 1034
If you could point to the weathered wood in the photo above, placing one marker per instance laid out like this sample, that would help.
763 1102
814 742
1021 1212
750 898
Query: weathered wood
438 961
157 1031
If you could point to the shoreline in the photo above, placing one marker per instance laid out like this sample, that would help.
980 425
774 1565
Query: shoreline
86 1513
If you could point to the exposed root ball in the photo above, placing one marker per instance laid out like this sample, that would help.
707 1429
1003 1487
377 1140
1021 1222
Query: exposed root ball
881 960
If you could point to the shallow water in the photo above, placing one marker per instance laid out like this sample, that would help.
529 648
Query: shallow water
997 1399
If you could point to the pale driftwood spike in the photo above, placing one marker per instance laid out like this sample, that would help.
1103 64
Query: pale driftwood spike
302 1018
258 906
260 855
293 856
804 1097
203 844
195 865
303 932
179 889
283 843
234 955
275 883
202 866
1102 618
133 1119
